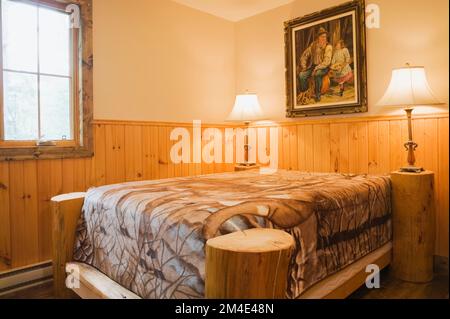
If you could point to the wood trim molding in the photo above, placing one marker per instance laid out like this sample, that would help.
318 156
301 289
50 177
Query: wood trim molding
350 119
156 123
297 121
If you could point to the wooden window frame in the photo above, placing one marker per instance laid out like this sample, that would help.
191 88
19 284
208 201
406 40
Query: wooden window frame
81 145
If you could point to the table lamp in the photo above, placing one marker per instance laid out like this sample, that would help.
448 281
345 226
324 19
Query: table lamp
409 88
246 109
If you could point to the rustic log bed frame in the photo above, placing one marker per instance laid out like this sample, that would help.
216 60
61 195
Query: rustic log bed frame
95 285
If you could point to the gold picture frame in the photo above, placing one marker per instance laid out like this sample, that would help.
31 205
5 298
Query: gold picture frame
326 71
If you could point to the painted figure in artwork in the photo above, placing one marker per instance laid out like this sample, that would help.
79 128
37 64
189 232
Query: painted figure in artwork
315 63
340 65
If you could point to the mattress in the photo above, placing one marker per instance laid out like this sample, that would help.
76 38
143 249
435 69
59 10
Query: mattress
149 236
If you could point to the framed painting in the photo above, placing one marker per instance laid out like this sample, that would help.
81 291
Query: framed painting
326 71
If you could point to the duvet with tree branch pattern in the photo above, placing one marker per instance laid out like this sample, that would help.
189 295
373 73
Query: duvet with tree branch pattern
149 236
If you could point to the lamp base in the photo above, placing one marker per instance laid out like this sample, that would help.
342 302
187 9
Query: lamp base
247 164
411 169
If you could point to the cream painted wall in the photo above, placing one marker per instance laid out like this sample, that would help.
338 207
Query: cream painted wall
161 61
414 31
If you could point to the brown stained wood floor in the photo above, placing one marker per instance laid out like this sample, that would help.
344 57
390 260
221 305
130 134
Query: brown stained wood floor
391 288
43 291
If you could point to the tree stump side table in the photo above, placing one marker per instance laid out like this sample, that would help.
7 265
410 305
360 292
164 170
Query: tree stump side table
413 225
249 264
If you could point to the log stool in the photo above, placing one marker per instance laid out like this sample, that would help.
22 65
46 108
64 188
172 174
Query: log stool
249 264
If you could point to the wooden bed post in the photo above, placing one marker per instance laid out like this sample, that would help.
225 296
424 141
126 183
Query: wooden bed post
66 211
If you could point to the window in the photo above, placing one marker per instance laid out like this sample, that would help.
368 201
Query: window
43 101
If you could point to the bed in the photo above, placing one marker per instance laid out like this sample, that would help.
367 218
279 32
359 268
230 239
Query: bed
148 237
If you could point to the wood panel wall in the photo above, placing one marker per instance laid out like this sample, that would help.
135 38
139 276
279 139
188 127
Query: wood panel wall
129 151
124 151
372 146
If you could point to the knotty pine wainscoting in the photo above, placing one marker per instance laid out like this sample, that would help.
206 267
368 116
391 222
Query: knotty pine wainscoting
128 151
372 146
124 151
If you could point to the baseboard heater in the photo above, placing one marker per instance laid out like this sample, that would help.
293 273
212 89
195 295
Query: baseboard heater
26 277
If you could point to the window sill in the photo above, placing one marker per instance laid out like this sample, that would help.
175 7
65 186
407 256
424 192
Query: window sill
43 152
32 144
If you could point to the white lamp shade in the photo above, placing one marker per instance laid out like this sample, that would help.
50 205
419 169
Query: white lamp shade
408 87
246 108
